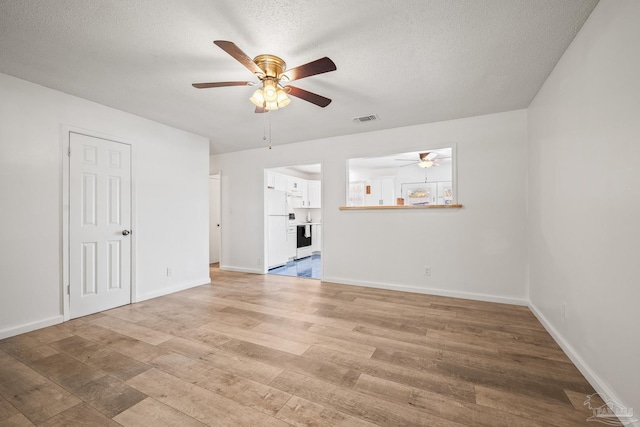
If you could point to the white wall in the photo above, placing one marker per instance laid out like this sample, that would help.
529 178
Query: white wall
478 251
171 188
584 200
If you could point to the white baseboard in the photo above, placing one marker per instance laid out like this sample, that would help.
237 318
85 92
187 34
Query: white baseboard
241 269
429 291
28 327
172 289
594 379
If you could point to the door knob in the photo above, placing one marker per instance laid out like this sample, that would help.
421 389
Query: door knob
126 232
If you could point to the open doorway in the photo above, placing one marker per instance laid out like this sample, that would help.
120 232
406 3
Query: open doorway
293 221
214 219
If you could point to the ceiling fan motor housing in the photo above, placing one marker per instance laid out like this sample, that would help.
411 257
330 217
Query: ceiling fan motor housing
272 66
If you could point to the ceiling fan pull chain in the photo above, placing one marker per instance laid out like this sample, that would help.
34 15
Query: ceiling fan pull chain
269 113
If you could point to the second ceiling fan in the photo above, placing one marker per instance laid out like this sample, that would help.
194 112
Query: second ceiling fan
272 73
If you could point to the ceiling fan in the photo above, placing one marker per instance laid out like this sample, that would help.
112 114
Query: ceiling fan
272 73
425 160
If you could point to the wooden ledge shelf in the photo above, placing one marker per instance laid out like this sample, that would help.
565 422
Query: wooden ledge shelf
363 208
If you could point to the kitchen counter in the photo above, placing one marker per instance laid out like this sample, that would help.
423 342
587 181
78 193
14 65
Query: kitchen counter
300 224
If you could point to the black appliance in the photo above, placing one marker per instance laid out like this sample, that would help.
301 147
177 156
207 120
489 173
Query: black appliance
303 241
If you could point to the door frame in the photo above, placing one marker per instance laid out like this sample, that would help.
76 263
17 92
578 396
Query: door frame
65 228
212 176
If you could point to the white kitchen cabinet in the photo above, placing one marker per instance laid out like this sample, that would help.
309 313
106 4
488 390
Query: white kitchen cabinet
382 192
294 186
276 181
270 178
304 184
292 242
314 194
316 241
280 182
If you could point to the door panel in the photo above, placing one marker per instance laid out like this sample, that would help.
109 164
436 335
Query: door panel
99 212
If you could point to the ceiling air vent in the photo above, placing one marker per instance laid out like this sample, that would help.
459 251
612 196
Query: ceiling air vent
366 119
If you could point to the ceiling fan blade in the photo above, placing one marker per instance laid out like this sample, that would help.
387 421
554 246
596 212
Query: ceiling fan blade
311 97
260 110
221 84
319 66
405 160
239 55
432 155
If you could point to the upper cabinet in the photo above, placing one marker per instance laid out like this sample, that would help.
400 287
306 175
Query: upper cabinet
302 193
276 181
380 192
314 199
294 186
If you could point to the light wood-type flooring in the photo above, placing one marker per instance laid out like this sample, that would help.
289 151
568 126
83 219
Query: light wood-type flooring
253 350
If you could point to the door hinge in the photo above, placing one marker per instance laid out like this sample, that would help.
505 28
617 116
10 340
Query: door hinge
69 151
68 289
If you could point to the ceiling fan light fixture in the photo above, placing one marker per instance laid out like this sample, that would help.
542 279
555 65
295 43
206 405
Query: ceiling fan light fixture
270 90
282 99
271 105
257 98
425 163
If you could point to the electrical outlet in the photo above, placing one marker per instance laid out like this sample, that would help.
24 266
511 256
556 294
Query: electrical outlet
564 311
427 271
169 272
259 261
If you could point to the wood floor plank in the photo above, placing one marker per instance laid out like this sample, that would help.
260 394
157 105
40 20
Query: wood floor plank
80 415
504 347
313 367
17 420
33 395
302 413
257 337
315 339
66 371
245 391
7 410
203 405
385 340
354 403
426 380
138 350
562 376
231 362
132 330
466 413
303 317
545 412
94 355
109 395
151 413
26 348
261 318
49 335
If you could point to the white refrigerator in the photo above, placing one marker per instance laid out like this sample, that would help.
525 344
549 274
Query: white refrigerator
277 218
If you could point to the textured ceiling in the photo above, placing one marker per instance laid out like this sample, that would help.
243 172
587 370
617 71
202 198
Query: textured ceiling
409 62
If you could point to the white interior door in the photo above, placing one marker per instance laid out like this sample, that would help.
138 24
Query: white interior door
99 224
214 219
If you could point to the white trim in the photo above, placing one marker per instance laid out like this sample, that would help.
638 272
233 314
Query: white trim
594 379
173 289
65 131
241 269
28 327
430 291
